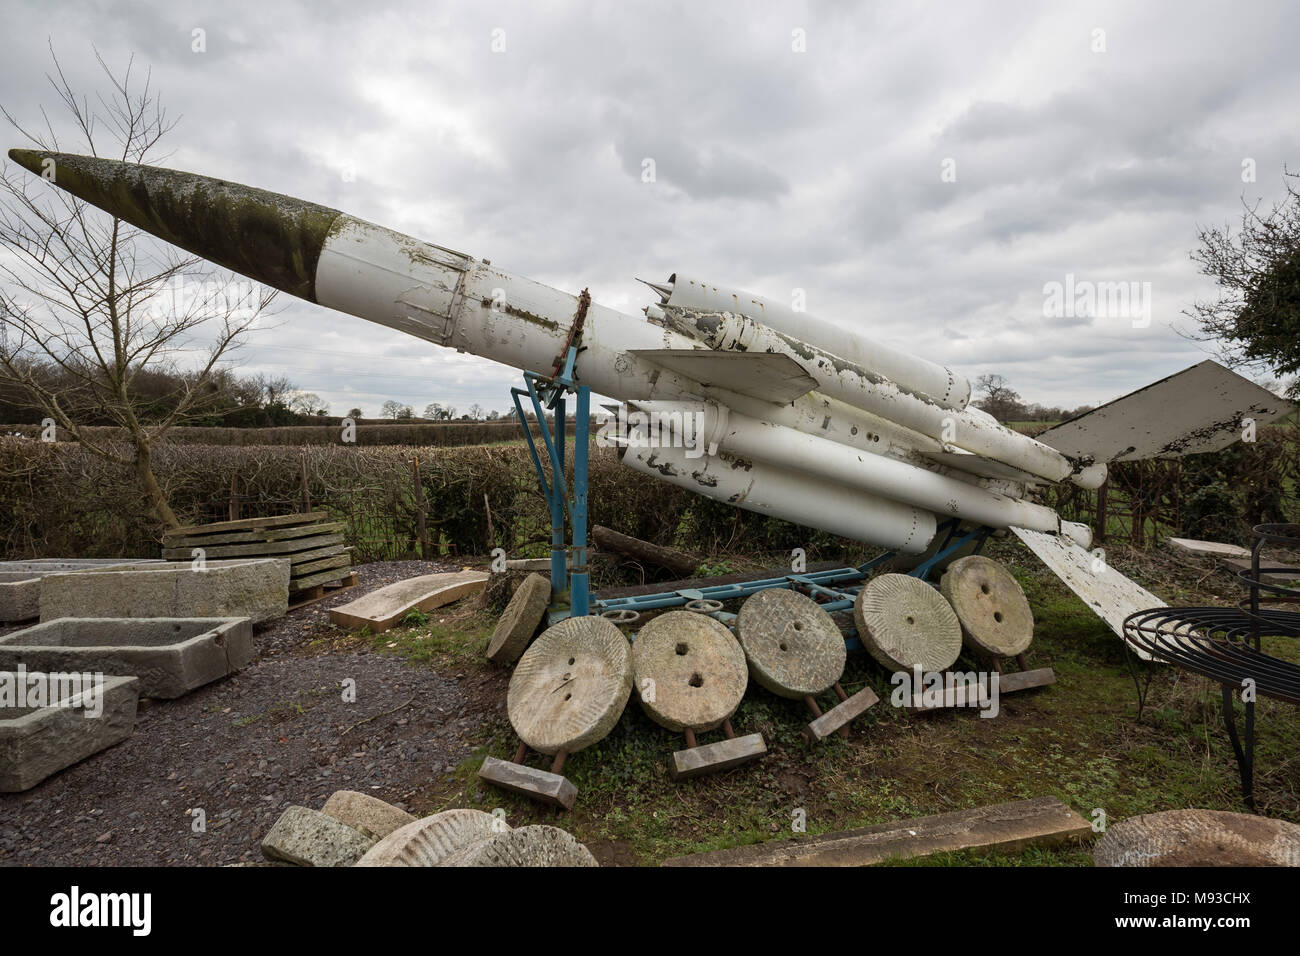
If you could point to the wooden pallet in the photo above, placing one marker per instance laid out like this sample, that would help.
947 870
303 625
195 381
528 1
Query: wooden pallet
320 592
311 543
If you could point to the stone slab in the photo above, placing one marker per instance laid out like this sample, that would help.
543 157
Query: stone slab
840 715
37 742
170 656
363 812
385 607
1207 549
716 757
309 837
1281 575
964 696
20 581
1042 821
540 785
257 589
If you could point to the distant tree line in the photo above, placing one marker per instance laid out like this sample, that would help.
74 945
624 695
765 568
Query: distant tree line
999 399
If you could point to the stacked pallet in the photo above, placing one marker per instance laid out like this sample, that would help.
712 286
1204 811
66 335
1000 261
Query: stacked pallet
311 542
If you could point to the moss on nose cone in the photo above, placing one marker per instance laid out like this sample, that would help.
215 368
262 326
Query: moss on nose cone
266 236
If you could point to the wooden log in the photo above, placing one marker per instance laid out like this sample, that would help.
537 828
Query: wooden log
1009 827
677 562
716 757
540 785
840 715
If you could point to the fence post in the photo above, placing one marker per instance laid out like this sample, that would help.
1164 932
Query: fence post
234 500
420 528
302 473
1100 534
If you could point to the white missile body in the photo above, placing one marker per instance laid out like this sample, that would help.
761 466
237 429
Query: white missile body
910 373
812 423
887 478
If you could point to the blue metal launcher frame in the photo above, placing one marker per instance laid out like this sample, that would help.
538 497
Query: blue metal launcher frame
835 589
570 594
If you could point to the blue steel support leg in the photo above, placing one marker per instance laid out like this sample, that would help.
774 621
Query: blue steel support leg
559 564
578 583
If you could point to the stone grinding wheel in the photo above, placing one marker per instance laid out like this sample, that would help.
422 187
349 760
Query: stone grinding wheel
995 617
569 689
1199 838
537 845
698 671
794 648
904 623
428 842
519 620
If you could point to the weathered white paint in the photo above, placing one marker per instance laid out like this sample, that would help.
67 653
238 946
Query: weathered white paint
942 385
784 493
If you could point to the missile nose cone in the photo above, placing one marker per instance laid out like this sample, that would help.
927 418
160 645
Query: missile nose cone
266 236
29 159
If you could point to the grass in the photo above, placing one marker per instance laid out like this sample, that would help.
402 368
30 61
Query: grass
1076 740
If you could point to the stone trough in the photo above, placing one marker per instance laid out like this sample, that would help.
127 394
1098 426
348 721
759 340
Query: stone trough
257 589
170 656
20 581
36 742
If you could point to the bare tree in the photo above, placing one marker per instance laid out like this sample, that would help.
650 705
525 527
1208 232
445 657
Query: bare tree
89 295
999 399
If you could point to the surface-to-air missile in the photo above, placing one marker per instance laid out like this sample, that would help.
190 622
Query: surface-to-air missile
770 409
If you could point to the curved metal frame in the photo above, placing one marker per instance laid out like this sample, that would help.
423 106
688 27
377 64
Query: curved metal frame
1223 644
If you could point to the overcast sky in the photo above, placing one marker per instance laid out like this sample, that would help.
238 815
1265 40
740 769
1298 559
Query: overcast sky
921 171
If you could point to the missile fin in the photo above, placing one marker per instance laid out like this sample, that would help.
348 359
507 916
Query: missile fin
770 376
1200 409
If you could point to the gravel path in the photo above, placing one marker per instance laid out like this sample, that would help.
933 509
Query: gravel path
244 748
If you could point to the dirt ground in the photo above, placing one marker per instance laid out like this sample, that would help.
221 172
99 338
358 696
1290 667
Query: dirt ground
245 748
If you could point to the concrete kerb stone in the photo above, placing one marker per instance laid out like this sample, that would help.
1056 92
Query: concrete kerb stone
20 581
309 837
38 742
170 656
366 813
256 588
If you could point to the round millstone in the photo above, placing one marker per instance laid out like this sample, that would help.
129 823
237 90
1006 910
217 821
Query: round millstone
428 842
519 620
905 623
569 689
793 647
690 672
995 617
528 846
1199 838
